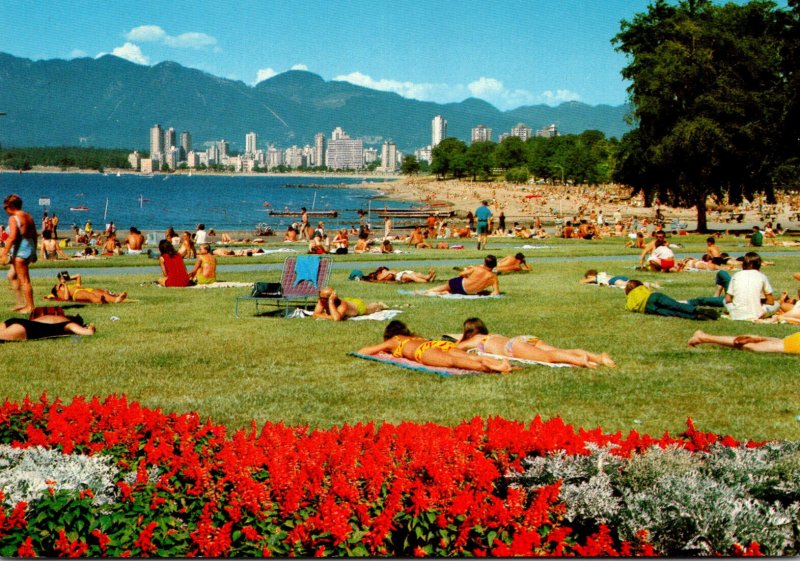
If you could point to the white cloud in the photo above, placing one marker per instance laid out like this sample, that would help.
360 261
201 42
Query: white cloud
265 74
559 96
77 53
155 34
299 67
146 33
489 89
131 52
442 93
191 40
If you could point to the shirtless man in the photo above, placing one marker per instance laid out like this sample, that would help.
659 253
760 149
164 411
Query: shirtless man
472 280
651 246
205 270
513 263
134 241
416 239
331 306
713 252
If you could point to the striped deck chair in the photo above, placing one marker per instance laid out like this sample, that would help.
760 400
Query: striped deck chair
301 280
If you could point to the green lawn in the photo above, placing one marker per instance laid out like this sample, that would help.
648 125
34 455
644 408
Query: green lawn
183 350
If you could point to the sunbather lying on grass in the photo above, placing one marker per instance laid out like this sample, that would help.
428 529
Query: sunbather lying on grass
70 289
384 274
401 343
476 336
755 343
20 329
331 306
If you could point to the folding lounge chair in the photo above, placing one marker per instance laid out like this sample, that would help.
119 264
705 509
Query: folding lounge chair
301 280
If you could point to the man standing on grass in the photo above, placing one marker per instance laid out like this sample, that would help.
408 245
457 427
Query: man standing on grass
482 216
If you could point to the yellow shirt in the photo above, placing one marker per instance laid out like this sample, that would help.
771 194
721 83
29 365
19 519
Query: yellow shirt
637 299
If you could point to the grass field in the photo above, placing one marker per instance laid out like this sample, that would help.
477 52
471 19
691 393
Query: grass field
183 350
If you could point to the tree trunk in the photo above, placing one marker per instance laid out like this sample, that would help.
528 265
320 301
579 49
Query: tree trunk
702 224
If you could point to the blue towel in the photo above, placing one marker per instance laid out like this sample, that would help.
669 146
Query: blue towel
306 269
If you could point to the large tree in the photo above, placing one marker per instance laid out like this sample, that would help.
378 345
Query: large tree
480 159
705 91
449 156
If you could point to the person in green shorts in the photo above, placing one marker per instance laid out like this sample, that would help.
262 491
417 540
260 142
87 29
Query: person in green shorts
331 306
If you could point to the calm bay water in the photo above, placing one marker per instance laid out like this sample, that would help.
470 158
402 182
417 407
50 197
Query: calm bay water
182 201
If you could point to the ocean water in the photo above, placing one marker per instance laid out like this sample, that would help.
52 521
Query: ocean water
182 201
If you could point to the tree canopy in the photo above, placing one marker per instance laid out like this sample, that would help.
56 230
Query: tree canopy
710 91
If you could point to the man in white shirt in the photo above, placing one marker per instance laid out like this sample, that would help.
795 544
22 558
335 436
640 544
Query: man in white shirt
749 295
200 236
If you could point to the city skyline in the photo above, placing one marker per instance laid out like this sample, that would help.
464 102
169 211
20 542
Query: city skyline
526 53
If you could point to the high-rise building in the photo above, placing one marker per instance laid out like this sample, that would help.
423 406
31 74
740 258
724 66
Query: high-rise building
439 126
250 143
293 157
319 149
186 145
156 143
170 140
370 155
389 156
344 152
522 131
223 146
548 132
135 160
481 134
424 154
274 157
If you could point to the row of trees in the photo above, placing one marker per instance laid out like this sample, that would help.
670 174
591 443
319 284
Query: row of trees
716 97
64 157
584 158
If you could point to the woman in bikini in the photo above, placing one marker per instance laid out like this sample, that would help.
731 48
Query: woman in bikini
65 292
50 248
525 347
384 274
401 343
19 329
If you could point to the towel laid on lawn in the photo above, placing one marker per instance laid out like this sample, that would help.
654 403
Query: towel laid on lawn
523 360
412 365
447 295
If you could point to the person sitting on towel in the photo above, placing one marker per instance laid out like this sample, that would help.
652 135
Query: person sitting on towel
476 336
331 306
401 343
472 280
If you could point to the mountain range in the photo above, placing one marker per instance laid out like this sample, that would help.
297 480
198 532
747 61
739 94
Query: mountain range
110 102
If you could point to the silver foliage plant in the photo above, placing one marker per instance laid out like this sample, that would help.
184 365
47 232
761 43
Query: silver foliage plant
690 503
27 473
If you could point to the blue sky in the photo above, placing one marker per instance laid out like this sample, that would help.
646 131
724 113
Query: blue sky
507 52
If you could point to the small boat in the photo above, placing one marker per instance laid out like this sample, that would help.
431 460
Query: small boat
311 213
79 208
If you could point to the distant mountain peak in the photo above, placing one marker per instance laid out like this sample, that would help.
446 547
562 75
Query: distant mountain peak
114 102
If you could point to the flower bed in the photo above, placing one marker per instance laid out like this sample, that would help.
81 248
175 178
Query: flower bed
171 485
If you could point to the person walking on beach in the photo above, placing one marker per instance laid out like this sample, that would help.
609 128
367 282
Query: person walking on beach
482 215
20 249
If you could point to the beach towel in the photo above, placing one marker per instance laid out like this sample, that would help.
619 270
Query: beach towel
528 246
412 365
306 269
223 284
382 315
523 360
448 296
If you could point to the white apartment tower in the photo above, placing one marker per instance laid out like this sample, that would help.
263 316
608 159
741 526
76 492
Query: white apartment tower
156 143
522 131
548 132
389 156
170 140
344 152
319 149
481 134
250 143
439 126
